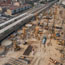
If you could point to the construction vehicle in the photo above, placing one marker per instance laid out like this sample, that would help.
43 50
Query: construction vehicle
15 46
55 62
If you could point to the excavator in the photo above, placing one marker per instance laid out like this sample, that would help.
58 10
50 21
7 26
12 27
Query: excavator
15 46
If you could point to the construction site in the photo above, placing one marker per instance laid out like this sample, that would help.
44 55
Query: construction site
32 32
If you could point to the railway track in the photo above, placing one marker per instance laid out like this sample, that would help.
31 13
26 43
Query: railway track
18 17
11 25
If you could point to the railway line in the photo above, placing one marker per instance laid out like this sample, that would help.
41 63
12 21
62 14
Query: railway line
2 25
13 24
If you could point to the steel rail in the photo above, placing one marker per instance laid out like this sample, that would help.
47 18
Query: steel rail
22 21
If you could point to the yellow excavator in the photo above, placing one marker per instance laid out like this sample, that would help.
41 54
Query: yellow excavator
15 46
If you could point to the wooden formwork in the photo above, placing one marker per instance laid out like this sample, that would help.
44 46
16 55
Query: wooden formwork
22 60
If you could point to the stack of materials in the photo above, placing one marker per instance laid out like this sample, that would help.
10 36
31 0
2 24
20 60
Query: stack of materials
28 26
7 44
17 4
